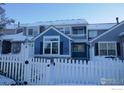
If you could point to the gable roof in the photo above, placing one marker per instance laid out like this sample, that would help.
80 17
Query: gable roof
108 31
52 27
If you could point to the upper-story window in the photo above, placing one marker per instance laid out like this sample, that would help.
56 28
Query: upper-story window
79 30
30 32
65 30
42 28
92 34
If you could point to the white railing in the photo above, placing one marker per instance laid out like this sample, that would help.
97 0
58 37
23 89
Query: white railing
64 71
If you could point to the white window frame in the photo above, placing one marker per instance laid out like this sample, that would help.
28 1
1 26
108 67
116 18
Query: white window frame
51 37
78 35
107 47
65 30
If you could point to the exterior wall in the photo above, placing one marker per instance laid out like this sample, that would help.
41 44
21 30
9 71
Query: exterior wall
99 32
121 40
8 31
35 30
79 37
112 36
51 32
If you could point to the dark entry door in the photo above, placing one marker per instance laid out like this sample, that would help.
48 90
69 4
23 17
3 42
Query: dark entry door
79 50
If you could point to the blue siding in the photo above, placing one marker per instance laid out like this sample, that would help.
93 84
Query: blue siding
52 32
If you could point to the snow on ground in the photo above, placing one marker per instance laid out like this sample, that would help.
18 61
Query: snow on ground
6 81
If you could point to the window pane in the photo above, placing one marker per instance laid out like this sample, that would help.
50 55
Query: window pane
55 48
92 34
51 39
47 48
61 29
103 52
111 46
6 47
78 48
103 46
107 49
16 47
111 52
30 32
67 30
79 30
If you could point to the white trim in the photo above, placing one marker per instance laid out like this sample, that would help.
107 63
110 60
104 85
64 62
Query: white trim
107 47
51 27
107 31
70 47
79 35
38 55
63 27
1 42
44 37
80 41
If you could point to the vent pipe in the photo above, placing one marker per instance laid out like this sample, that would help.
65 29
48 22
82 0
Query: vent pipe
117 20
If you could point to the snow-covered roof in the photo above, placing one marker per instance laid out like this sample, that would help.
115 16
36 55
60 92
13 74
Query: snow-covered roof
16 37
58 22
11 26
101 26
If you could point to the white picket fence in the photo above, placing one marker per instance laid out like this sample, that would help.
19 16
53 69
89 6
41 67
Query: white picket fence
59 71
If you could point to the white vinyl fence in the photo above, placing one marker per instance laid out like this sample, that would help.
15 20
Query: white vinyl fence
59 71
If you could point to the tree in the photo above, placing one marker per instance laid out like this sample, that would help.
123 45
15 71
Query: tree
3 19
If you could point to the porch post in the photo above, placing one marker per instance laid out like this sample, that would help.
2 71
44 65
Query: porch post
0 47
91 52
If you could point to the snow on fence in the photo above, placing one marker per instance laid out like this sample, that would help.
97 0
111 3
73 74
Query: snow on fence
60 71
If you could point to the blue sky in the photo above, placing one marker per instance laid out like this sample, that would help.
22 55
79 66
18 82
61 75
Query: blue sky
93 13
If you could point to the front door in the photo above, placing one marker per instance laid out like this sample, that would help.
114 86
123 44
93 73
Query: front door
79 50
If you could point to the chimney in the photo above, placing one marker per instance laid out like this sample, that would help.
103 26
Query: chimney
117 20
18 24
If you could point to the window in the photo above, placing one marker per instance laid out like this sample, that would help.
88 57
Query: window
30 31
42 28
51 45
6 47
16 47
107 49
65 30
80 30
19 30
78 48
25 32
92 34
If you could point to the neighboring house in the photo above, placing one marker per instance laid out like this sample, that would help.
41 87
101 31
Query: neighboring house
68 38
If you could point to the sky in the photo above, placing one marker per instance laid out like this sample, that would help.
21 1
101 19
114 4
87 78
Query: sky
93 13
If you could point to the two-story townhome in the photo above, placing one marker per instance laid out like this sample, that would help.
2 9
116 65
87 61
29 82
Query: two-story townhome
74 38
62 38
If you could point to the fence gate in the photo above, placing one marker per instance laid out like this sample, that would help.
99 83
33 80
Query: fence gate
37 71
